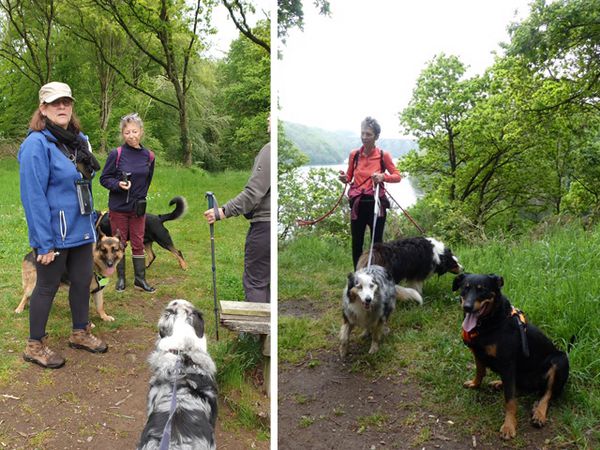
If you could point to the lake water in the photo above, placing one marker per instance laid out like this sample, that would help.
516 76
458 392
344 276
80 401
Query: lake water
402 192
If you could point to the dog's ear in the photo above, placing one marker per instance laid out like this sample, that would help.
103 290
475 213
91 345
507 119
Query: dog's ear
498 280
198 323
351 280
458 281
120 238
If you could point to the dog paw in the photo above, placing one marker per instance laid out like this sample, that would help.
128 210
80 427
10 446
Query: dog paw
374 348
508 431
365 335
343 351
471 384
496 384
19 310
538 418
107 318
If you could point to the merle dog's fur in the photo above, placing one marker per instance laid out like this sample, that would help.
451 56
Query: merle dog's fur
520 353
155 231
412 260
368 300
181 355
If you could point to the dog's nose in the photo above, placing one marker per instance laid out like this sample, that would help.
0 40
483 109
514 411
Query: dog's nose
468 308
368 300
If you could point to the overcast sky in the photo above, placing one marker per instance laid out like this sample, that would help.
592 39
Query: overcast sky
226 29
365 58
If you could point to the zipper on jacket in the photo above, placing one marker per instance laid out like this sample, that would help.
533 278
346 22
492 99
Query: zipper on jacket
63 225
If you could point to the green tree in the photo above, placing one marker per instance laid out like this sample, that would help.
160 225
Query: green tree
440 101
168 33
244 86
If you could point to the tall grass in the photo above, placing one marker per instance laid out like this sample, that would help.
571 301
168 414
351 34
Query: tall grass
191 236
551 275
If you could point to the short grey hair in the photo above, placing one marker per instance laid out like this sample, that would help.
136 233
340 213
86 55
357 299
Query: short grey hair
372 124
131 118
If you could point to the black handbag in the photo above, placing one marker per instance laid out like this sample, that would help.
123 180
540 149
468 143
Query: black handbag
140 207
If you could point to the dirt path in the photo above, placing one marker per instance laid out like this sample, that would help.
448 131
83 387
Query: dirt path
328 406
94 401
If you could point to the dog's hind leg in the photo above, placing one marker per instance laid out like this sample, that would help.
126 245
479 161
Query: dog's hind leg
150 256
404 294
179 257
556 377
24 300
479 374
345 331
28 279
99 301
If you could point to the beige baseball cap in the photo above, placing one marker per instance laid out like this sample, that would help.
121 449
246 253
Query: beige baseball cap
53 91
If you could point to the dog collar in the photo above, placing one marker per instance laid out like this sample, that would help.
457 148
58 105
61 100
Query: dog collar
469 336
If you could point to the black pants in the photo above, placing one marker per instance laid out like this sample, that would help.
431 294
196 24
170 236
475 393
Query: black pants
257 263
359 226
77 261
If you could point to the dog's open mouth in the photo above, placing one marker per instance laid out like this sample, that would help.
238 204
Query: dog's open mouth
471 318
367 306
109 271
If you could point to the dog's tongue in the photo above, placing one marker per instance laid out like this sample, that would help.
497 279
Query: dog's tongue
109 271
470 321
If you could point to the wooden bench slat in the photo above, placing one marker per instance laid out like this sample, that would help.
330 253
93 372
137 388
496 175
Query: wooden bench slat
247 326
245 308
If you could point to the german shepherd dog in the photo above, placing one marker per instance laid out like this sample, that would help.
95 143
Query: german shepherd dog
368 300
186 418
107 253
155 231
501 339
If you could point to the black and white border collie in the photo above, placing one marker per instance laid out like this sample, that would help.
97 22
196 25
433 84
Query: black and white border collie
412 260
180 357
368 300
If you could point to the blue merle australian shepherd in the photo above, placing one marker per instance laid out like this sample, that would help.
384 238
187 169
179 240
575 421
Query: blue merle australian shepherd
368 300
184 417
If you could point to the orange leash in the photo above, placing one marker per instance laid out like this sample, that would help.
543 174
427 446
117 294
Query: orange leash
303 223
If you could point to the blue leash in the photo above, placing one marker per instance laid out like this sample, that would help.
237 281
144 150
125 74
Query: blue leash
166 437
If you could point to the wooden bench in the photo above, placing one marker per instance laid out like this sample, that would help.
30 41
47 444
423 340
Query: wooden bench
254 318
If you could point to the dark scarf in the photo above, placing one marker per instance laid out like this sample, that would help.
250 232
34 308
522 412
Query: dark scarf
77 148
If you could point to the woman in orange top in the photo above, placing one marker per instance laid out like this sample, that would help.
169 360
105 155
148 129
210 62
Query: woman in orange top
366 168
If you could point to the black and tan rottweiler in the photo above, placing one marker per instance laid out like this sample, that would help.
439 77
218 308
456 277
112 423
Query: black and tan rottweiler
501 339
107 253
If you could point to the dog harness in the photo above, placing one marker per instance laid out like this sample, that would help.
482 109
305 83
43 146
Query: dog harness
469 337
102 282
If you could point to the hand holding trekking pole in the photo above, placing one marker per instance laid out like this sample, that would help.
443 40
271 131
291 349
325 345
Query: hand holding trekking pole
213 214
342 176
212 206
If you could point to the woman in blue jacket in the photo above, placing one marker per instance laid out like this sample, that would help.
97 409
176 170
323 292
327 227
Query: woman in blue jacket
56 167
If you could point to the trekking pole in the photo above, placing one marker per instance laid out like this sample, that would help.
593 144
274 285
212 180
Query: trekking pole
212 203
375 214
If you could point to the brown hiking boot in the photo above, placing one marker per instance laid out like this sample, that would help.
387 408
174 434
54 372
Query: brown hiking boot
85 340
39 353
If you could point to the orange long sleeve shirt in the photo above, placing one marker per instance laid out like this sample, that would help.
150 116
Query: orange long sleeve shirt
367 166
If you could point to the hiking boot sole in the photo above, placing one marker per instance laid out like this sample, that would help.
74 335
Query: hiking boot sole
45 366
139 288
91 350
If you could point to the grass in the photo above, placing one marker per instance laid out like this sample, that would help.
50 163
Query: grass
551 275
235 360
